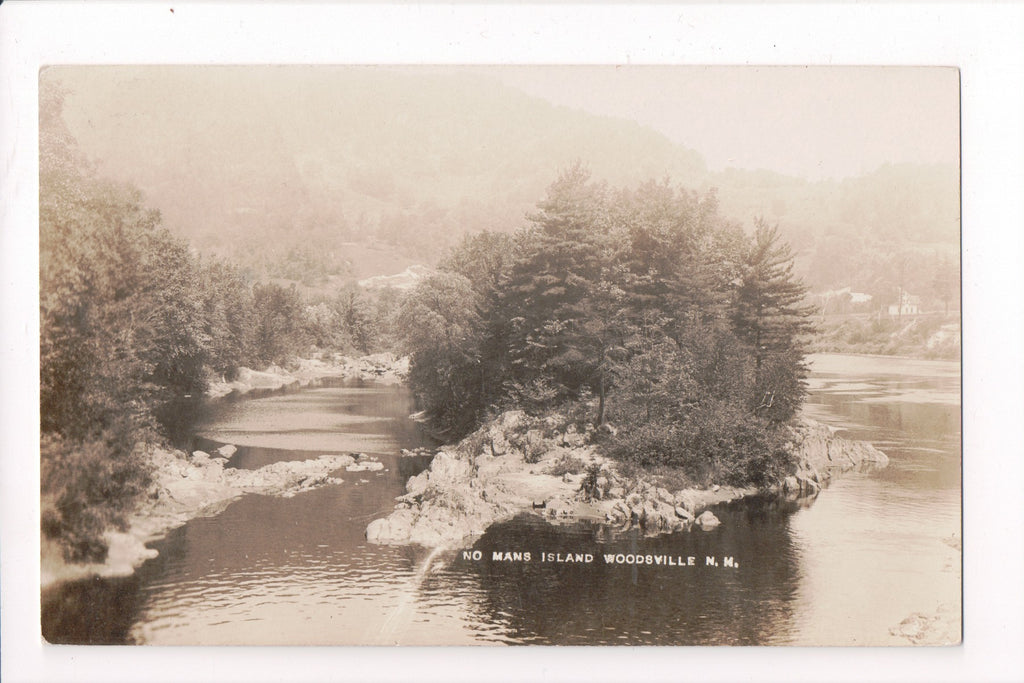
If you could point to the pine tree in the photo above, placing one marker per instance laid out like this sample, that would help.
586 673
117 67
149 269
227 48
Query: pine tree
768 310
769 315
554 285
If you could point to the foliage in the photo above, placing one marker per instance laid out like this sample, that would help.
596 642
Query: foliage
645 302
923 336
566 464
129 318
279 321
88 486
441 329
589 487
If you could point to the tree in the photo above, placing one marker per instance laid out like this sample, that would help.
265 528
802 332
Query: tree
229 317
279 315
768 310
441 330
554 285
768 314
945 282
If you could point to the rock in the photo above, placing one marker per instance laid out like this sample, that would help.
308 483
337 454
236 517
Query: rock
200 457
608 429
651 517
807 484
791 485
368 466
377 529
395 528
227 450
684 514
707 520
572 438
448 469
716 488
418 484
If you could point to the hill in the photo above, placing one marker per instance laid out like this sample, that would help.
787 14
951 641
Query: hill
294 171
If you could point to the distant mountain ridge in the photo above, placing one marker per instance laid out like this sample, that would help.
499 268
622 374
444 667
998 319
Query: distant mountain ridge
263 165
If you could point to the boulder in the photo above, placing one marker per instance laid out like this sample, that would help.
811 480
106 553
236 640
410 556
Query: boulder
572 438
396 528
684 514
415 486
227 450
367 466
446 469
707 520
200 458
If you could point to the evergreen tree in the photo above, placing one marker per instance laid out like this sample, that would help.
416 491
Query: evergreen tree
553 285
768 310
769 315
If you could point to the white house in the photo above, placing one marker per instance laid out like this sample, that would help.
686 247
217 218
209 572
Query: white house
909 305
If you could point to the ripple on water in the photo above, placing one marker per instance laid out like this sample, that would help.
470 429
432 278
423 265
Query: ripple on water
298 571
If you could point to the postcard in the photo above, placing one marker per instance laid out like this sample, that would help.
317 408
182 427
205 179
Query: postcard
520 355
365 347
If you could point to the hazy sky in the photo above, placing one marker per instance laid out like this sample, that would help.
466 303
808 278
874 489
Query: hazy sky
815 122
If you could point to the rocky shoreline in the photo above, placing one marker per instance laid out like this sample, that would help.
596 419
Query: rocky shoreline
506 469
186 486
385 368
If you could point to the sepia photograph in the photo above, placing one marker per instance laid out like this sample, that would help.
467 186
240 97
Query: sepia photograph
500 355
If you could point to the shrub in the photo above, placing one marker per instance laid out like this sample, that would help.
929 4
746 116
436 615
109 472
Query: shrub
566 464
88 486
716 443
589 486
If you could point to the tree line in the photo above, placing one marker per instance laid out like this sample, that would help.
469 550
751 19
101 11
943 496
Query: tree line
643 308
130 317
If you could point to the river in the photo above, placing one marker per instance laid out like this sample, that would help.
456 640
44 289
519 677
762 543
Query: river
843 569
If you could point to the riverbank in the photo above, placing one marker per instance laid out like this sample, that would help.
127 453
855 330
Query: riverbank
505 469
922 337
187 486
384 368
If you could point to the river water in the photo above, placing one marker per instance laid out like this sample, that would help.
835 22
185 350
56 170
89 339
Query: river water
842 569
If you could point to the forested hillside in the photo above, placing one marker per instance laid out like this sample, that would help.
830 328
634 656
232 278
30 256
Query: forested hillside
292 172
130 318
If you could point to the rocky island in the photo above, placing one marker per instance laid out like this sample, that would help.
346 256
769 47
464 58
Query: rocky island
506 468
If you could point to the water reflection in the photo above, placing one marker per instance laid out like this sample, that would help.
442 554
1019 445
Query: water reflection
335 415
870 550
630 604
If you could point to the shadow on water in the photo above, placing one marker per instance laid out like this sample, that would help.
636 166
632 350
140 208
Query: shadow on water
298 570
595 602
91 611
